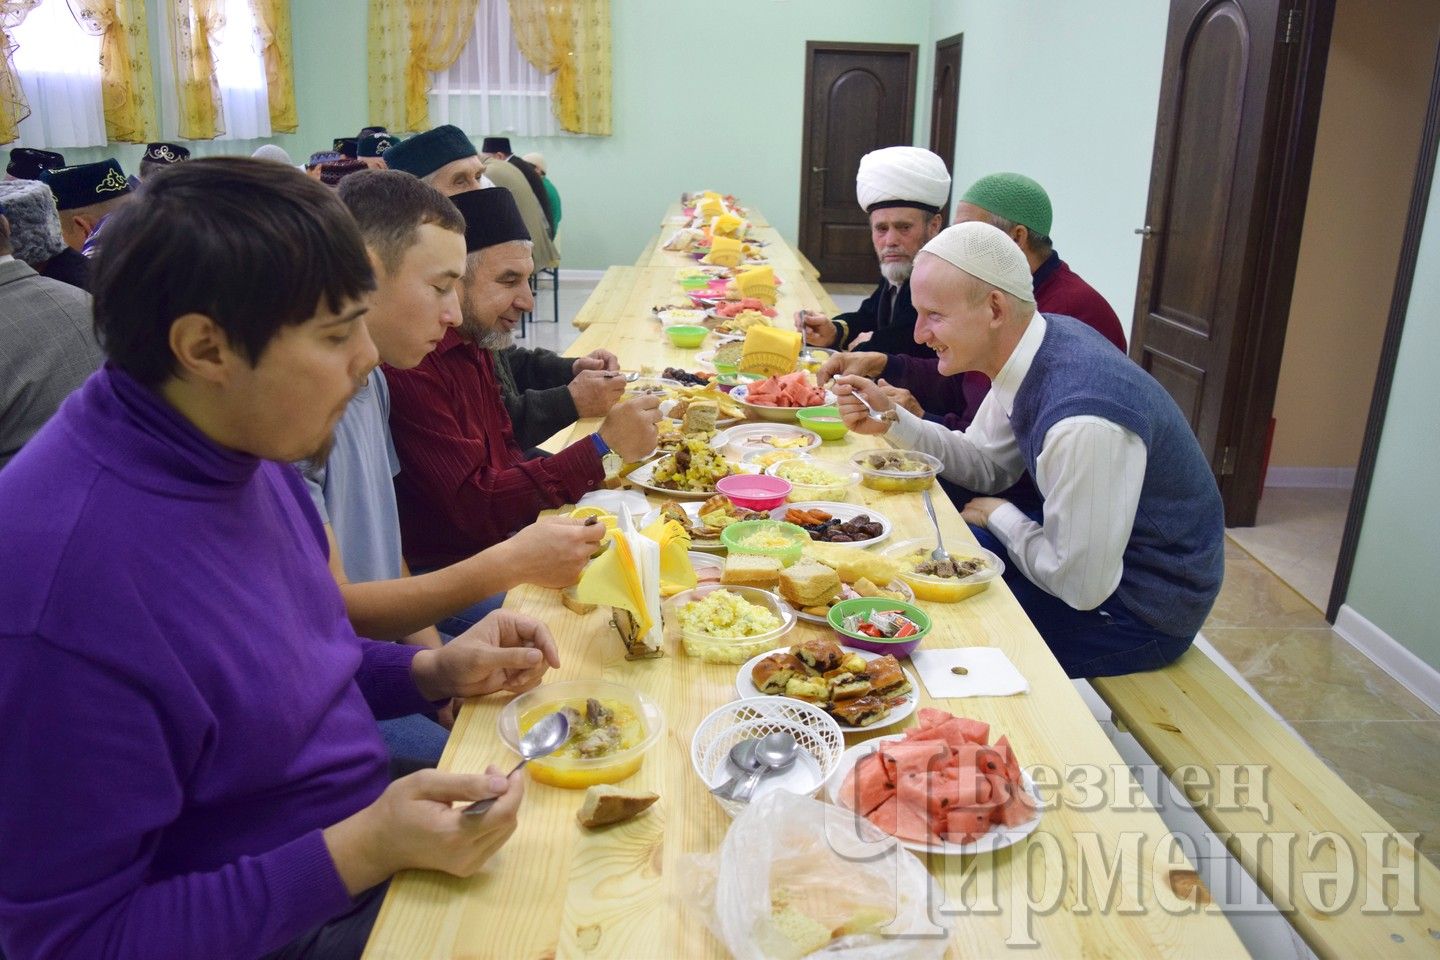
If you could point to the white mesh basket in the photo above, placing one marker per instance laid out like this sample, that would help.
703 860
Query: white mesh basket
814 730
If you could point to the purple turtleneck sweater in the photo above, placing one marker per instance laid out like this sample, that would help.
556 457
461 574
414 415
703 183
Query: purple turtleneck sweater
184 703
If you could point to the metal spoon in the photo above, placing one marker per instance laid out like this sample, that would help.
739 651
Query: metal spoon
777 751
541 740
938 554
744 761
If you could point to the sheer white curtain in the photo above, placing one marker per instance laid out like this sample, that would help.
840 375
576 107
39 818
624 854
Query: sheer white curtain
239 71
492 89
59 68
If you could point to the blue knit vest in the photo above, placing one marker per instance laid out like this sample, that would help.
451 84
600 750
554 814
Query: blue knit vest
1174 561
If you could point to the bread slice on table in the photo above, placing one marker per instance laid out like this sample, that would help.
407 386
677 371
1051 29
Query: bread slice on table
809 583
751 570
605 804
700 417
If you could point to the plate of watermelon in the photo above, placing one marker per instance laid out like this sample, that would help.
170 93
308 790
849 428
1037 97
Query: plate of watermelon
780 398
940 787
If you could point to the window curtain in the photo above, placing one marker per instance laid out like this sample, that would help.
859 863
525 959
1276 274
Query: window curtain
408 40
493 88
13 105
59 67
571 39
195 27
272 22
124 66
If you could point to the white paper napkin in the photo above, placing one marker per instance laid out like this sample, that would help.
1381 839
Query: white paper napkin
988 672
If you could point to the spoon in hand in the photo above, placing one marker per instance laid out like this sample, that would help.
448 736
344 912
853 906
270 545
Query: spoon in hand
543 739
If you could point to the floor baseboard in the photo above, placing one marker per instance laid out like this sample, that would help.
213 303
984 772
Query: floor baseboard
1390 655
1323 477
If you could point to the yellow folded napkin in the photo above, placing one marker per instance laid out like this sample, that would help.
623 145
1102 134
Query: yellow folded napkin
724 251
726 225
613 580
710 206
677 573
757 282
771 351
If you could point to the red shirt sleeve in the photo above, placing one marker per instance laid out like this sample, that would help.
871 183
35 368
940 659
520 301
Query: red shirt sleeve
464 483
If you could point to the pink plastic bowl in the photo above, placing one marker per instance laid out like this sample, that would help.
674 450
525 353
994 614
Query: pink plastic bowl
754 491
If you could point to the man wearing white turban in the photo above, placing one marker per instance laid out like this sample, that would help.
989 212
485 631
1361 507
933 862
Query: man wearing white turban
903 190
1120 565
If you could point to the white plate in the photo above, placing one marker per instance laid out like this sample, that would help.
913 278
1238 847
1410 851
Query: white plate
640 477
692 510
998 838
841 512
773 414
708 568
749 438
745 686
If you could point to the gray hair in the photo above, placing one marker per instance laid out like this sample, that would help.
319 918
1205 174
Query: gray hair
1039 244
34 221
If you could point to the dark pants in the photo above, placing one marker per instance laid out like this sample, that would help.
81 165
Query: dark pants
1104 642
343 938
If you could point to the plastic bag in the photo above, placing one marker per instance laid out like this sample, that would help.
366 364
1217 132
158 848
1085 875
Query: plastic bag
796 878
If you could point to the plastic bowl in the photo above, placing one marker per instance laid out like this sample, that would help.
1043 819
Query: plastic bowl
729 381
817 733
577 772
735 535
897 481
754 491
717 649
681 316
824 421
944 589
839 489
900 648
687 335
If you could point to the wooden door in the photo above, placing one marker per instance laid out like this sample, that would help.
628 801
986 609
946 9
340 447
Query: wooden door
944 106
858 97
1239 104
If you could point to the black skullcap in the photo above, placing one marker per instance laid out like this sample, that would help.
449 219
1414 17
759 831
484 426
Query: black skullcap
166 153
86 184
373 129
346 146
26 162
375 144
496 145
427 152
491 218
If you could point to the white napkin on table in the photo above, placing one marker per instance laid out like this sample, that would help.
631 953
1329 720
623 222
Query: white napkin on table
989 673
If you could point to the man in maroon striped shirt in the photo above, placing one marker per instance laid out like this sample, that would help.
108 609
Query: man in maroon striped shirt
465 483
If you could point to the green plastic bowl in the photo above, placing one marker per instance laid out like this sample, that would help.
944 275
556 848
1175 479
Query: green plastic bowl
823 420
900 648
686 335
734 536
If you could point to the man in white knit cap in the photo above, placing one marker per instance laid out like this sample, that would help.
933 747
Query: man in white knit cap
903 190
1120 565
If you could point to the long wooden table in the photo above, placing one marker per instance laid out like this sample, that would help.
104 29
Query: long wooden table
1099 878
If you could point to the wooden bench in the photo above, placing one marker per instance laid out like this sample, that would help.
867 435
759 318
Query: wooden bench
647 252
1206 733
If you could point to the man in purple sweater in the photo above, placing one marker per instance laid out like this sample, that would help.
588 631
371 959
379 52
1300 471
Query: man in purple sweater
192 764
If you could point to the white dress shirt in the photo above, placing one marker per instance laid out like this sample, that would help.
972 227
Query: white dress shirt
1090 471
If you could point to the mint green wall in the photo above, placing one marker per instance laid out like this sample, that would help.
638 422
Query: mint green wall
1065 93
1397 566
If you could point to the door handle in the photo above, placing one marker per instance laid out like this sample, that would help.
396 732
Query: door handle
818 169
1144 231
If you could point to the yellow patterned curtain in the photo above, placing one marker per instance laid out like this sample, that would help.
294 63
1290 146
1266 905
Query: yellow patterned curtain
409 40
194 24
272 19
570 39
124 66
13 105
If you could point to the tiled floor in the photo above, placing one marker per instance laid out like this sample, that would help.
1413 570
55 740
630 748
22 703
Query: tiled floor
1368 728
1297 535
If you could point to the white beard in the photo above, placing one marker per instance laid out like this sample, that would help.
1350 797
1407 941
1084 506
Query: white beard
897 271
496 339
